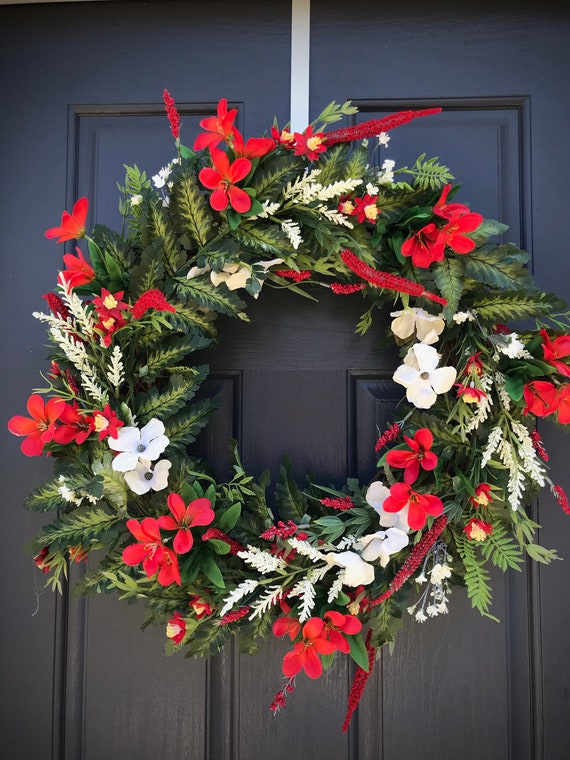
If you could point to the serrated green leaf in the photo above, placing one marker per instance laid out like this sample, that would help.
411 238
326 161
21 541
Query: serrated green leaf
449 277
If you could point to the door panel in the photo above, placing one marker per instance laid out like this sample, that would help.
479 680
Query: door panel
296 380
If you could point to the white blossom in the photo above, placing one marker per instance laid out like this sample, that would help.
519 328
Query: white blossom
357 571
512 346
336 587
381 545
136 200
482 409
493 443
464 316
383 139
376 496
427 327
134 445
293 232
143 478
159 180
305 548
422 378
386 177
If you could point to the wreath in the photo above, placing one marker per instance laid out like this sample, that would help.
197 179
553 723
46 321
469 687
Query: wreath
332 568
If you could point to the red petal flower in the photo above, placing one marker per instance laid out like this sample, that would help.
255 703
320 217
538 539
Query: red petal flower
338 626
555 350
483 496
79 271
74 426
40 427
541 398
448 210
198 512
72 225
176 628
309 144
419 505
417 455
563 405
255 147
424 247
151 551
222 178
454 232
218 127
477 530
105 422
305 654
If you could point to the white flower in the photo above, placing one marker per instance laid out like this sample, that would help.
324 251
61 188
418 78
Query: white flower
512 346
387 175
136 200
421 616
427 327
357 571
197 271
233 275
383 139
136 445
372 189
439 572
421 377
159 180
143 477
381 545
464 316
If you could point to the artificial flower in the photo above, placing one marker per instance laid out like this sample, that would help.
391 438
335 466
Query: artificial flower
474 365
74 426
233 276
386 176
422 378
198 512
218 128
483 496
134 445
151 552
366 209
78 272
72 225
427 327
151 299
417 455
255 147
356 571
424 247
420 505
110 304
478 530
283 137
176 628
454 233
78 554
338 627
171 113
381 545
305 655
222 180
449 210
40 560
470 394
143 478
202 608
555 350
40 427
376 495
563 404
309 144
541 398
105 422
286 625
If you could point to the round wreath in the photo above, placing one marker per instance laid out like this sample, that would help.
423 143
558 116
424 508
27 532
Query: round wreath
332 569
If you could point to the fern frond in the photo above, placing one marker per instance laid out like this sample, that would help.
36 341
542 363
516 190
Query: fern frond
192 209
516 304
502 550
182 428
78 528
429 175
167 401
208 296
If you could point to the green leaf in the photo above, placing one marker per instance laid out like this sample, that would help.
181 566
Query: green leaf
212 572
220 547
512 305
514 386
502 267
449 277
229 517
208 296
191 208
358 651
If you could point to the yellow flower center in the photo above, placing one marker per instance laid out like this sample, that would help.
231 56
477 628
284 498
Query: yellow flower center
108 323
371 212
347 207
110 302
172 630
286 136
100 423
478 534
314 142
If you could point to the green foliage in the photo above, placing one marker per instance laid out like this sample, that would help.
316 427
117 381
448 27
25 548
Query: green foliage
449 276
192 210
164 402
502 267
291 503
512 305
428 174
476 576
80 527
207 296
502 550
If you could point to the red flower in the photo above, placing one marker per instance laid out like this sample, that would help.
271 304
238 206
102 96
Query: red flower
105 423
40 427
151 551
418 455
470 394
563 405
150 299
255 147
420 505
171 113
198 512
72 225
540 397
477 530
305 654
109 304
201 607
448 210
474 365
78 554
338 626
176 628
218 127
40 560
286 625
74 426
555 350
222 178
454 232
79 271
283 137
424 247
309 144
483 496
365 209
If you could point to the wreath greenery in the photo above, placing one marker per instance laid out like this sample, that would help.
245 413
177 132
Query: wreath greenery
331 568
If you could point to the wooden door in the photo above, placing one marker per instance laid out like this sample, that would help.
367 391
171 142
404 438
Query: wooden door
81 681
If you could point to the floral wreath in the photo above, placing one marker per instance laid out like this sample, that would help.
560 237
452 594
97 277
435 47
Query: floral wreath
331 569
